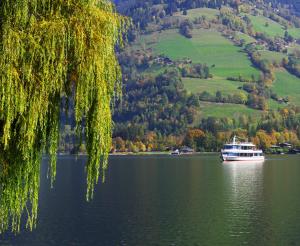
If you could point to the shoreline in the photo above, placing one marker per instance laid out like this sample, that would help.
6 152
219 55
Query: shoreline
159 153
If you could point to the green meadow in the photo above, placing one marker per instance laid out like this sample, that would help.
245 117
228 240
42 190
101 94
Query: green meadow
265 25
248 39
220 110
295 32
272 56
224 59
287 85
206 46
271 28
275 105
227 87
199 12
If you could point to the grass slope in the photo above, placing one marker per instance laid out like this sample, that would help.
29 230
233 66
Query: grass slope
210 47
226 110
225 60
287 85
259 24
248 39
295 32
272 56
211 85
273 28
199 12
206 46
275 105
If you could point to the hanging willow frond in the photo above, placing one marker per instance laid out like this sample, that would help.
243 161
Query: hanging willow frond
48 49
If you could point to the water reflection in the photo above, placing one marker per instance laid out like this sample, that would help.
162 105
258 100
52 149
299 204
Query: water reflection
243 175
170 201
244 199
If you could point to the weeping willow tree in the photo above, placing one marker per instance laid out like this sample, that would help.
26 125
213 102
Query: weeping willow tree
50 49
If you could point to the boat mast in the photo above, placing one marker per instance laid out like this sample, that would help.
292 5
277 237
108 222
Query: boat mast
234 138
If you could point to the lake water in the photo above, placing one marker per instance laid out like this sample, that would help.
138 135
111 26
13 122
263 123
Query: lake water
166 200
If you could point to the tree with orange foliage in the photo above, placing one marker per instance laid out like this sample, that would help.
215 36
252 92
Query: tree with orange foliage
194 138
263 140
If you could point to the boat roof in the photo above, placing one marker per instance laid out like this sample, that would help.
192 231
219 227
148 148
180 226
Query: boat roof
240 144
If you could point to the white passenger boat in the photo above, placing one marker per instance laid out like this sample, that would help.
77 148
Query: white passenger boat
241 151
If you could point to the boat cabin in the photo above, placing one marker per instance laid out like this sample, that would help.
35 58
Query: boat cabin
239 146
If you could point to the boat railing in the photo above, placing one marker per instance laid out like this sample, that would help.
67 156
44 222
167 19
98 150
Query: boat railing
236 141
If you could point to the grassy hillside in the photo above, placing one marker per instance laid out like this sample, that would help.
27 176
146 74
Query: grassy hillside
273 105
295 32
271 28
245 37
206 46
211 85
224 57
266 25
226 110
199 12
272 56
195 73
287 85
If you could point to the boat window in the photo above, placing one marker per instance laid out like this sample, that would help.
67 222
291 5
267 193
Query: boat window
232 147
247 147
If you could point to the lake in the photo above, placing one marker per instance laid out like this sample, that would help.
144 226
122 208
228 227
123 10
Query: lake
165 200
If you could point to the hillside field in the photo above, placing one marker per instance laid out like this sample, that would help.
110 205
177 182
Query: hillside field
271 28
199 12
248 39
224 58
194 85
287 85
206 46
220 110
265 25
272 56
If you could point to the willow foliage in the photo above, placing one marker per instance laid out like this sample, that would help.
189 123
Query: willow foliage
50 49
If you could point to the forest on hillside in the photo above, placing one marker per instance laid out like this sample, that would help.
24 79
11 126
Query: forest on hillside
175 96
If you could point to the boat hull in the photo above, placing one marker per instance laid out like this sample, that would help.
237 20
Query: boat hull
239 158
